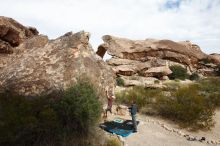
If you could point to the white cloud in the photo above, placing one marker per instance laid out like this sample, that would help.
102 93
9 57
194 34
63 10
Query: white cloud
195 20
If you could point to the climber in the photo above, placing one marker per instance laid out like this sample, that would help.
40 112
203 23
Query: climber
110 97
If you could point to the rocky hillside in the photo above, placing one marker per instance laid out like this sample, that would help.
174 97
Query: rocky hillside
149 59
32 65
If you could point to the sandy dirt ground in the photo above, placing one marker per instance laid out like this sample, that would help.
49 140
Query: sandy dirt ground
151 133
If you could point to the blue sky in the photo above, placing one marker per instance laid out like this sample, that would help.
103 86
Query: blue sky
178 20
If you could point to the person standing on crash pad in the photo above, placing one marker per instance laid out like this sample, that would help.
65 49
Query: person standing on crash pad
133 111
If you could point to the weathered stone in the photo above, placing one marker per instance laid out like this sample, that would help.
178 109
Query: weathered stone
183 52
152 58
215 58
13 33
27 45
41 67
157 72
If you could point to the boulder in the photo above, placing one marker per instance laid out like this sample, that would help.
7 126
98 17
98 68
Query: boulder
182 52
158 72
41 66
214 58
13 34
141 81
27 45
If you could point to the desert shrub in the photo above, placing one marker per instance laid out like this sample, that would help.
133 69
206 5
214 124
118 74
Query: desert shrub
78 109
50 120
194 76
187 107
120 81
215 99
113 142
205 60
178 72
27 122
156 82
210 88
218 70
209 85
142 96
172 85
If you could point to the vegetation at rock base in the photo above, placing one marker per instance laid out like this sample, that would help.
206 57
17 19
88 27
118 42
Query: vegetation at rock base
141 95
178 72
113 142
187 107
120 81
194 77
218 70
67 118
191 106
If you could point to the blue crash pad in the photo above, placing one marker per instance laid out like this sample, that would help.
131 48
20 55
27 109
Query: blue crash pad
120 127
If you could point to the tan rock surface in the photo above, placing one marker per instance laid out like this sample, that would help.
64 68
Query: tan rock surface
215 58
182 52
56 65
13 33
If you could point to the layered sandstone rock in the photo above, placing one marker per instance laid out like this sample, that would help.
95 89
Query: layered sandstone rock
215 58
152 58
13 33
41 67
183 52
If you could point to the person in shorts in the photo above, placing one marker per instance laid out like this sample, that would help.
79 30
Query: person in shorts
110 97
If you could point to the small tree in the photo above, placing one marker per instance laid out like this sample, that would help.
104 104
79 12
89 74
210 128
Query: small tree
178 72
218 69
194 76
120 81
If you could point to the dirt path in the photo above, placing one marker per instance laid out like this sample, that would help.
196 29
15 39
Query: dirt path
158 132
152 134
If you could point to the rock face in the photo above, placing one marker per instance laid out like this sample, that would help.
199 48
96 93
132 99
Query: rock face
182 52
13 33
56 65
215 58
31 65
152 58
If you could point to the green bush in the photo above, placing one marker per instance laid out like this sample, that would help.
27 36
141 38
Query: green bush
209 85
50 120
178 72
142 96
120 81
26 122
187 107
78 109
218 70
156 82
194 76
210 88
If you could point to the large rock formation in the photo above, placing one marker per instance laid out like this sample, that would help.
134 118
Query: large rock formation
152 58
12 34
215 58
38 66
182 52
